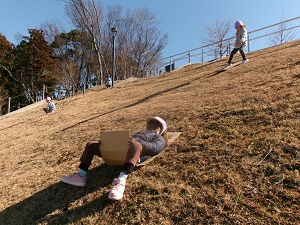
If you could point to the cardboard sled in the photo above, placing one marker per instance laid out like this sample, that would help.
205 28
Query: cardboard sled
171 137
114 147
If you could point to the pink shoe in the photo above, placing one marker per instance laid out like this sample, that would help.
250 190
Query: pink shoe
74 179
228 64
117 191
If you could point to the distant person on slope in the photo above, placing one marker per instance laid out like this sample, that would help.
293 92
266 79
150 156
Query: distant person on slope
50 106
108 83
141 146
240 42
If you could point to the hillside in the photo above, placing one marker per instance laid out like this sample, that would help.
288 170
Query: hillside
236 161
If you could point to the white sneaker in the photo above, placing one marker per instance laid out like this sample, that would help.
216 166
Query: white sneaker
117 191
228 64
245 61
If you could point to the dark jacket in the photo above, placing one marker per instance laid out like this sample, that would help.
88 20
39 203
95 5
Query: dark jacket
152 143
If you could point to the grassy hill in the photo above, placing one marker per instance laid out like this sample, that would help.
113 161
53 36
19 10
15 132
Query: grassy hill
236 161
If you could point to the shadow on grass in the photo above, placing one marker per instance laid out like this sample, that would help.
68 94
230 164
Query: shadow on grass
55 204
128 106
142 100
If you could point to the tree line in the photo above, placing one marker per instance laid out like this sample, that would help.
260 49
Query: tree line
64 61
81 57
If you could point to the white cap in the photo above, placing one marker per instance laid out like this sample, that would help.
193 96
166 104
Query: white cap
162 122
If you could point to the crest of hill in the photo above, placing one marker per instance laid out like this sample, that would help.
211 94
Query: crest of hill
236 161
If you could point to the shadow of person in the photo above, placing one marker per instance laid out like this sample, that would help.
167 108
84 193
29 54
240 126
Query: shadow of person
59 200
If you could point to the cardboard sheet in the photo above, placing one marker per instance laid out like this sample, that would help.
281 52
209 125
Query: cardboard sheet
171 137
114 147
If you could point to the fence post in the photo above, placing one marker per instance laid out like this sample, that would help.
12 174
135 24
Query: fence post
248 42
44 88
8 107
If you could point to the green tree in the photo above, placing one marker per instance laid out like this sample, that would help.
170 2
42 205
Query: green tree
5 51
73 51
87 16
9 86
34 62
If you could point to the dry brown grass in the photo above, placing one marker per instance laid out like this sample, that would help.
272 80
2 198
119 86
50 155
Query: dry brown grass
236 162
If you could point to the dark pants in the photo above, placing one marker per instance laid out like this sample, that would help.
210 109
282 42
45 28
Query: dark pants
47 110
235 50
92 148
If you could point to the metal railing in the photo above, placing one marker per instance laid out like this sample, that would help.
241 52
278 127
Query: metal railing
200 52
204 50
57 93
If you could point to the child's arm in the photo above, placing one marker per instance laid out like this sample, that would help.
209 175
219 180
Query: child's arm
153 146
241 38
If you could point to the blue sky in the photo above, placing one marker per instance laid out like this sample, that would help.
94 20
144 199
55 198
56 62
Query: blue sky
183 21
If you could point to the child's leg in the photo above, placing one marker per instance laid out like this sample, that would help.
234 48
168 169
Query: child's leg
242 54
232 54
132 158
92 148
79 179
134 153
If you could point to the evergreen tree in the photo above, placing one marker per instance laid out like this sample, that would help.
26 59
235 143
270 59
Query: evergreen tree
34 62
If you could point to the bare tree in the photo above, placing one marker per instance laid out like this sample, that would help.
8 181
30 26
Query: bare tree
87 16
141 41
112 20
282 34
149 41
138 41
218 32
51 29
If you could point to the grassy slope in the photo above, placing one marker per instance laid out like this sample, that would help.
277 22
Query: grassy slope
237 160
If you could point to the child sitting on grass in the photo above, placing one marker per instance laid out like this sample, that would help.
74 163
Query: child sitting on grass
50 106
142 146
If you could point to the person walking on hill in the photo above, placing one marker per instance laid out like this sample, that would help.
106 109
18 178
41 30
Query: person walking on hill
50 106
240 42
141 146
